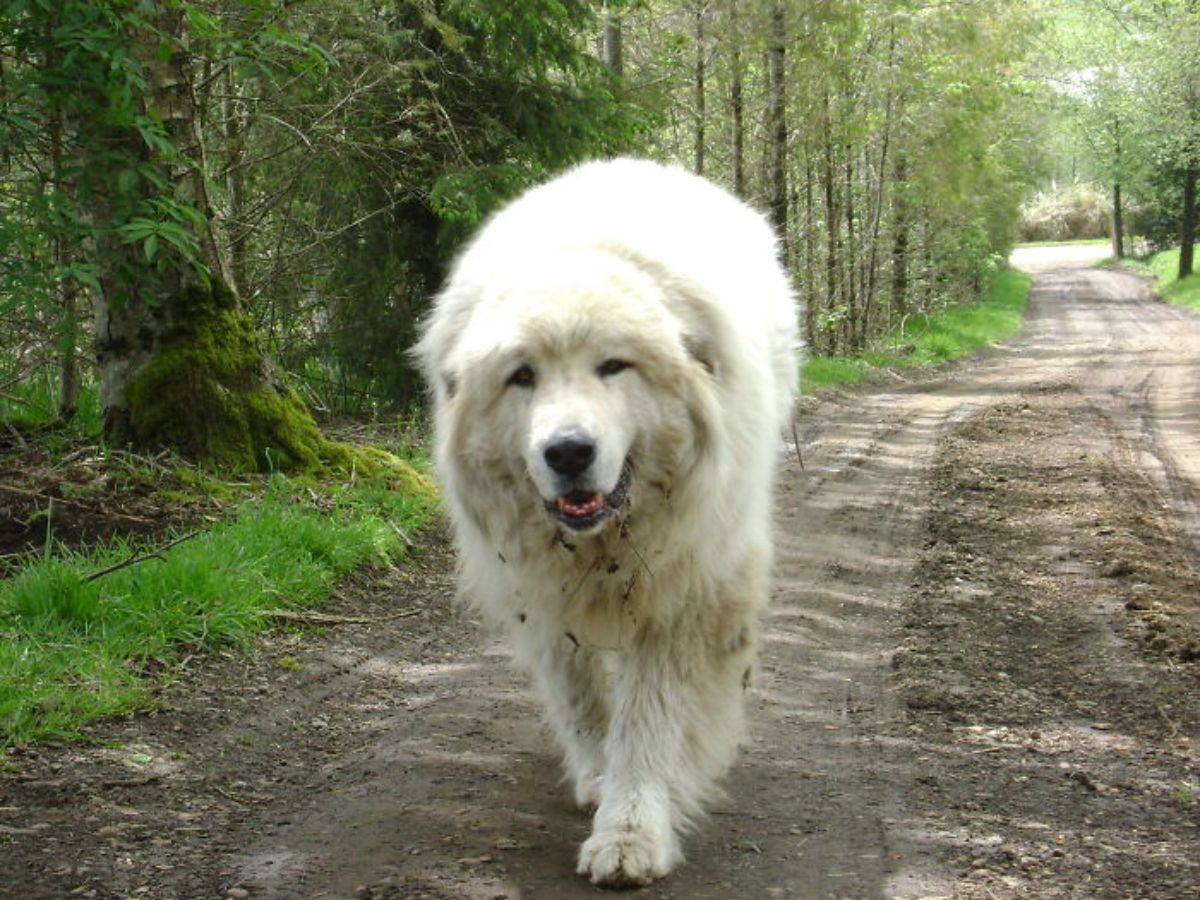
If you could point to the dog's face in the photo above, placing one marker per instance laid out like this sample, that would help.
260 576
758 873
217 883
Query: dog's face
573 383
579 411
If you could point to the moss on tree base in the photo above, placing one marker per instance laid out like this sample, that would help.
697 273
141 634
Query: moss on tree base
213 396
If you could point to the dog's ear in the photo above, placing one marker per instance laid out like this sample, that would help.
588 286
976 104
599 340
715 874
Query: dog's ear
689 302
700 326
438 335
700 348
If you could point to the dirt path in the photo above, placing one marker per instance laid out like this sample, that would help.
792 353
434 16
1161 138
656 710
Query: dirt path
980 677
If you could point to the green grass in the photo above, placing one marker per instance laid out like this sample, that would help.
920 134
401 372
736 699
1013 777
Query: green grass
73 649
34 403
932 339
1163 268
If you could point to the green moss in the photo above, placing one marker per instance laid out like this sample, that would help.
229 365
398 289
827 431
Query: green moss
378 464
212 395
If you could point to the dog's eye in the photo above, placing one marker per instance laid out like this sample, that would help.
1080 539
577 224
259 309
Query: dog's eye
523 377
612 367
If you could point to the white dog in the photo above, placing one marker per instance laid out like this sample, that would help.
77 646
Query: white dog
612 362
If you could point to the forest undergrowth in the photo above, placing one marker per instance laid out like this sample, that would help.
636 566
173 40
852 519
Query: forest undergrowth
102 604
931 339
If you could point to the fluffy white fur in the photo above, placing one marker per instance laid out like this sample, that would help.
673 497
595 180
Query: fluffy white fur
644 308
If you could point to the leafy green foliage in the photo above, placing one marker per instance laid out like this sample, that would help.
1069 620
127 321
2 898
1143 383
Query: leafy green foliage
468 104
34 402
1126 83
76 82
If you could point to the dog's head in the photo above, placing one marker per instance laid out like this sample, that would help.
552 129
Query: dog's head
576 385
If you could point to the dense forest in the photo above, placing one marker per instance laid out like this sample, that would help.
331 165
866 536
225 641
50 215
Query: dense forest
216 217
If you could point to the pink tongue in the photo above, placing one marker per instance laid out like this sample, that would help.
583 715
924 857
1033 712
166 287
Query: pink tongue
580 504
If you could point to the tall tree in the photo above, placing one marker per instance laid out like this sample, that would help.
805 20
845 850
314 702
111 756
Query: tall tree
178 357
778 127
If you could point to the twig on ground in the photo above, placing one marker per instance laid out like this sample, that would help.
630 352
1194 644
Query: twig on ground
403 535
314 618
16 434
320 618
1170 724
134 560
796 441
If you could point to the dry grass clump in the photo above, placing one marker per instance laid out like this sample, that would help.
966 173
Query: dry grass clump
1076 213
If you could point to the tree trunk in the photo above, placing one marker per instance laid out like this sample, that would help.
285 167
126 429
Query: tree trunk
68 400
853 294
613 41
179 361
810 257
900 228
236 236
699 89
66 289
737 104
870 276
832 225
1118 223
778 120
1187 233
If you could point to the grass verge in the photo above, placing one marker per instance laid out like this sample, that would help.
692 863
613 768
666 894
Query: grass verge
76 645
932 339
1163 267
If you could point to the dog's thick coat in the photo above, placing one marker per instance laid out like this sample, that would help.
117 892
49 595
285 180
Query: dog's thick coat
613 360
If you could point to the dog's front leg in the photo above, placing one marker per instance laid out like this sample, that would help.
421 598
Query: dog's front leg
571 681
634 837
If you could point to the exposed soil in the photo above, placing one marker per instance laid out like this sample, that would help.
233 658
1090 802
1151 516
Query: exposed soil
980 677
81 495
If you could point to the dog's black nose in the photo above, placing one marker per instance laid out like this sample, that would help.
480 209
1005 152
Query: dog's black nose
570 452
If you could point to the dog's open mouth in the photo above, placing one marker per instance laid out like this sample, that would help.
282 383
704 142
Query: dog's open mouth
580 510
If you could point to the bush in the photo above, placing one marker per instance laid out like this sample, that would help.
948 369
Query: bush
1077 213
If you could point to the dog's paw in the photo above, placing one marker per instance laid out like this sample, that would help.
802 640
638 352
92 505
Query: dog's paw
627 858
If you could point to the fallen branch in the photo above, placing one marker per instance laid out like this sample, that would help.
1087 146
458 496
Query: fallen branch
320 618
134 560
314 618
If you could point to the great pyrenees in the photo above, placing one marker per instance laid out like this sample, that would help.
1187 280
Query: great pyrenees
613 360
